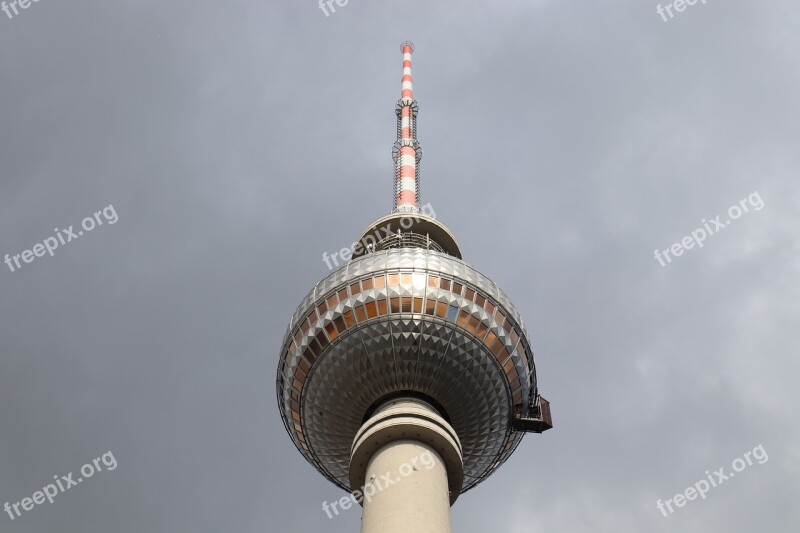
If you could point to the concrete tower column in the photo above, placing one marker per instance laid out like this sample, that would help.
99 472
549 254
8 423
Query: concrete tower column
406 460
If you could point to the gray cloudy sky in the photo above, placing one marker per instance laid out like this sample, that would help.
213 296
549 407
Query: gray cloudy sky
237 141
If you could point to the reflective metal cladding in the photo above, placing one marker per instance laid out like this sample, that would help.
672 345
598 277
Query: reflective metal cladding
405 320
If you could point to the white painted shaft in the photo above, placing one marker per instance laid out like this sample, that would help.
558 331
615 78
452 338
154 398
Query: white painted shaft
407 460
417 501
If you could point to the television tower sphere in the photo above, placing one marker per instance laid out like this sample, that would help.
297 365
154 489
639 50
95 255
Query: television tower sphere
408 345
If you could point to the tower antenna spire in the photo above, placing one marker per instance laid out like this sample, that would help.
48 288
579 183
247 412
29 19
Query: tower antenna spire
406 151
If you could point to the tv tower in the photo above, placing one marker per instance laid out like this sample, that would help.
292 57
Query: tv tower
406 376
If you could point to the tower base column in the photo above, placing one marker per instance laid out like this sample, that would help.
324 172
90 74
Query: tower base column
406 461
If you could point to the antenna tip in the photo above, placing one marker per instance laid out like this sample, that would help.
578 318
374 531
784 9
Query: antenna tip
407 44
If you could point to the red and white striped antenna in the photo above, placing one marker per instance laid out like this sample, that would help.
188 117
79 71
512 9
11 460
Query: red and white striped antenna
406 151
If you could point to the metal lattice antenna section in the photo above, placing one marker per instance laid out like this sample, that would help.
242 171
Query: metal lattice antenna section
406 151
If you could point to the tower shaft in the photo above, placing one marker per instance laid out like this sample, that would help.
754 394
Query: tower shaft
408 461
416 503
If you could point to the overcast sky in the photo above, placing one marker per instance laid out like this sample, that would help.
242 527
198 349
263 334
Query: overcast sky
237 141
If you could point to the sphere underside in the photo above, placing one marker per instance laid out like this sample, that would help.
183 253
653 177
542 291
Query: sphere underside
405 320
